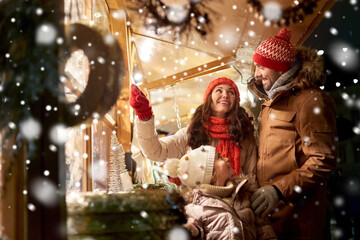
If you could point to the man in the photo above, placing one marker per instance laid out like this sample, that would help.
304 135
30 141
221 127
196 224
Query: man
297 138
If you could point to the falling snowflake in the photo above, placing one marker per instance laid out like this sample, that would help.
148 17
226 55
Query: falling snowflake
109 39
118 14
201 19
178 233
328 14
31 207
44 191
334 31
356 130
339 201
101 60
297 189
39 11
144 214
46 34
272 11
30 129
338 233
59 40
317 110
251 33
59 134
177 13
12 125
320 52
235 230
344 55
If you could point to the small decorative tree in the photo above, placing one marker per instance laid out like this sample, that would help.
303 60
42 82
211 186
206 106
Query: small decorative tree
119 179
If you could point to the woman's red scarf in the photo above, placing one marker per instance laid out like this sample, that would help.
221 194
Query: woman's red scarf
227 148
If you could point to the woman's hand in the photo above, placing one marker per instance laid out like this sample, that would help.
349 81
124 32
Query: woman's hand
139 102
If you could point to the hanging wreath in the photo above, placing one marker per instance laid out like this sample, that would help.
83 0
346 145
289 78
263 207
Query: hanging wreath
287 16
33 44
176 17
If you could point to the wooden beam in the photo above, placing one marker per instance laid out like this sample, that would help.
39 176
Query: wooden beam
87 185
114 4
174 44
13 199
109 121
121 31
197 71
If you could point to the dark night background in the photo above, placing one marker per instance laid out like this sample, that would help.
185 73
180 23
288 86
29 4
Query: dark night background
339 31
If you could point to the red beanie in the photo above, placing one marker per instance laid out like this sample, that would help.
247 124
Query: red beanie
276 52
218 81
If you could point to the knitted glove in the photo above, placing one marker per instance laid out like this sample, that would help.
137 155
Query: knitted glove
140 103
263 200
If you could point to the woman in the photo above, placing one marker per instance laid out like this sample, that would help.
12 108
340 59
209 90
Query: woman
219 121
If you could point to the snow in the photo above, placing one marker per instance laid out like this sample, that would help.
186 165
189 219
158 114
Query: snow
44 191
178 233
59 134
272 11
46 34
30 129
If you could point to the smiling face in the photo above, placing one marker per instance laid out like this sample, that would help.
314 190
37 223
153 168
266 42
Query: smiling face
268 76
223 97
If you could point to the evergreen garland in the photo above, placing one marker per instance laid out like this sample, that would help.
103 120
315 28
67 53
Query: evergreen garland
157 16
293 14
28 67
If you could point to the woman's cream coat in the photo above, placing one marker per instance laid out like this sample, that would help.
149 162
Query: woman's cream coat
175 146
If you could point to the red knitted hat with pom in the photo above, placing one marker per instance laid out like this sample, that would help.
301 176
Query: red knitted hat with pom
276 52
218 81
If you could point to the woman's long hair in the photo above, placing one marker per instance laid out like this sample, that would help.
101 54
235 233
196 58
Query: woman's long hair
240 125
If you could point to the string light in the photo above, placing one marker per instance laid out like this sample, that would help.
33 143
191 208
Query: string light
176 107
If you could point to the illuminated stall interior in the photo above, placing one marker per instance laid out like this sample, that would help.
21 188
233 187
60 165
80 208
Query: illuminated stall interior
174 70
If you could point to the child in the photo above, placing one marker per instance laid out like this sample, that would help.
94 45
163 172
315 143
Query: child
218 205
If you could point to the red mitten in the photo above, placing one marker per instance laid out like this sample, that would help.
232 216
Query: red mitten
139 102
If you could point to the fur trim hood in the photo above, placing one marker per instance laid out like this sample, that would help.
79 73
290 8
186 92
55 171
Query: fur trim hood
311 73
